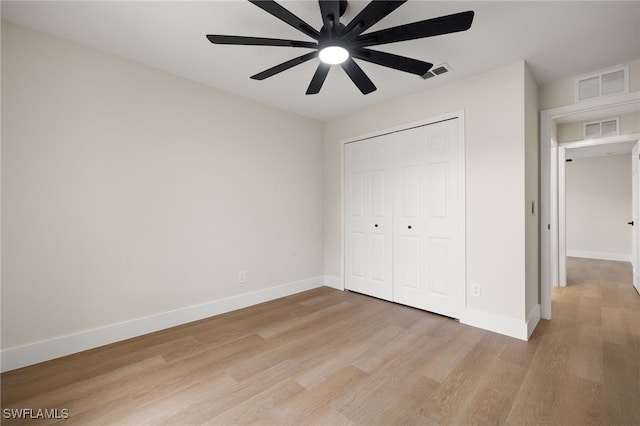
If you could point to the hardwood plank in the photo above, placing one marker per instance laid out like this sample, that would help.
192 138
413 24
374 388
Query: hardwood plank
622 383
539 389
447 356
282 349
375 359
585 353
254 409
366 403
451 401
312 403
51 375
272 330
407 402
203 402
318 367
520 352
615 326
578 402
493 398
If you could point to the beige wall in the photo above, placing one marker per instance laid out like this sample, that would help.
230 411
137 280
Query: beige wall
562 92
599 205
130 192
494 106
571 132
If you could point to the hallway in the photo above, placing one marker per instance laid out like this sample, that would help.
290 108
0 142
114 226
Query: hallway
598 314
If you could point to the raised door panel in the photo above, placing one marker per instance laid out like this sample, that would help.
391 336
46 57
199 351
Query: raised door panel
367 220
379 231
355 215
443 188
409 244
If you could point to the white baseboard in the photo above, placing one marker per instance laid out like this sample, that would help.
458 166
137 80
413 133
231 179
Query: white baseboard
333 282
619 257
533 320
45 350
498 323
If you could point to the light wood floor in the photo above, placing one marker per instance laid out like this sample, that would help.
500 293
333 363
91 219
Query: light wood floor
332 357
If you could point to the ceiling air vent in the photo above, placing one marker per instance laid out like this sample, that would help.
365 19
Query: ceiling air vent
612 82
437 70
602 129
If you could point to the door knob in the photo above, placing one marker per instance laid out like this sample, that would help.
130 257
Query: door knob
376 225
630 223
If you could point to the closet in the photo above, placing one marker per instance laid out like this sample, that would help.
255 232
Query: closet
404 224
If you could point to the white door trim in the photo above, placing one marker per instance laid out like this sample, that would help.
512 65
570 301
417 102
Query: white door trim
564 150
425 122
431 120
562 216
549 238
635 199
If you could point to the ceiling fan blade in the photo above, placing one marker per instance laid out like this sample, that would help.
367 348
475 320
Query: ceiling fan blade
259 41
401 63
428 28
284 66
318 78
370 15
358 76
330 10
284 15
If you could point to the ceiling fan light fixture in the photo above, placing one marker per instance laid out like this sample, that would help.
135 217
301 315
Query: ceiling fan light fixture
336 43
333 55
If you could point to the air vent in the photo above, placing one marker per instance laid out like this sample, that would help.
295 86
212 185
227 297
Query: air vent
437 70
602 129
612 82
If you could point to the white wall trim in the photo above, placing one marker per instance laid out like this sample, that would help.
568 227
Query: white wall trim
45 350
619 257
334 282
497 323
419 123
533 320
562 216
608 140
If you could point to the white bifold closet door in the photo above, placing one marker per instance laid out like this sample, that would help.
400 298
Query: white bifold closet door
369 209
403 218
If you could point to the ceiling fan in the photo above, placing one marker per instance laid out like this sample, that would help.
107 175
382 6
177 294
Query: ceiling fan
339 44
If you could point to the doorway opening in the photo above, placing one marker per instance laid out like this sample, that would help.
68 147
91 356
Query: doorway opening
552 255
601 224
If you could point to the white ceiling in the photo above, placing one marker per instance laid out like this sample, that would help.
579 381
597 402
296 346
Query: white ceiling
557 39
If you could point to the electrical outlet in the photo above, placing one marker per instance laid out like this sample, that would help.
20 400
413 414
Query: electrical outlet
475 289
242 277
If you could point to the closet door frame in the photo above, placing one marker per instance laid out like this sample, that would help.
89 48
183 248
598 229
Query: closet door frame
425 122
